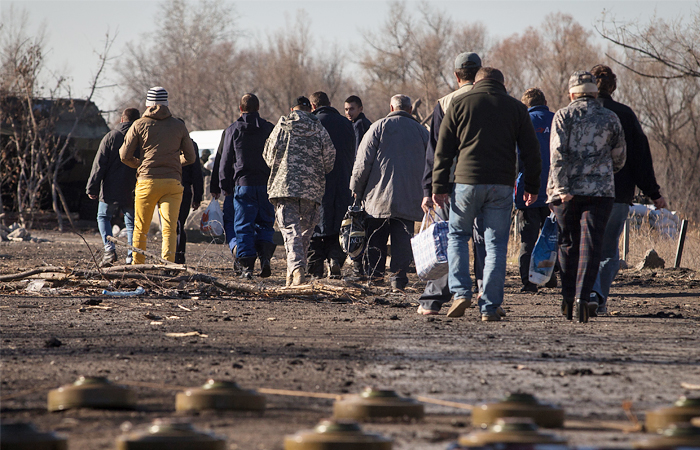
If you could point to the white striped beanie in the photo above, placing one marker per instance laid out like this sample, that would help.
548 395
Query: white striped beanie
157 96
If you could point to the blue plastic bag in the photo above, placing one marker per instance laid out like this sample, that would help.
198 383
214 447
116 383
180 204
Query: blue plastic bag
544 255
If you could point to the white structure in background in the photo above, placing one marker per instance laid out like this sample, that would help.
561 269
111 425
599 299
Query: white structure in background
665 221
207 140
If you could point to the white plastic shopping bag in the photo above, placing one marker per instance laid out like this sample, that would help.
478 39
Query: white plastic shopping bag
430 247
544 255
212 222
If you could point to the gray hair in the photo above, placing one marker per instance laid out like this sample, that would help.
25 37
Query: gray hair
401 102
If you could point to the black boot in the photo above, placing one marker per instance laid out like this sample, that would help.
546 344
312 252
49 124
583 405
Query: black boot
265 252
247 267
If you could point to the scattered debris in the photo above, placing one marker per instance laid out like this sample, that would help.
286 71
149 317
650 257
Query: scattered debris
651 260
35 285
139 291
188 334
151 316
53 343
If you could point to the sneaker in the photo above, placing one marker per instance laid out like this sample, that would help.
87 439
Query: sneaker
129 260
426 312
529 287
109 258
491 317
459 305
500 311
600 303
334 272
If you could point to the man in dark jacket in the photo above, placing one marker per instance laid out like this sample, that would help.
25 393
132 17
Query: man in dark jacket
193 184
360 123
114 181
531 217
228 210
482 128
325 243
386 175
638 171
437 292
243 173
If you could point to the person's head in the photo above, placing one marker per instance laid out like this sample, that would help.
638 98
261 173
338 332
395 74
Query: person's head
130 114
157 96
301 104
582 84
353 107
534 97
400 102
249 103
489 73
467 64
319 99
605 79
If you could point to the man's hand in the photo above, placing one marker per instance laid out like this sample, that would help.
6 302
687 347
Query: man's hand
426 204
565 197
354 195
225 193
216 195
94 197
195 206
660 203
529 198
441 199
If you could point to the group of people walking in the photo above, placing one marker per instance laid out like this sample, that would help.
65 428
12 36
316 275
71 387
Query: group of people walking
483 152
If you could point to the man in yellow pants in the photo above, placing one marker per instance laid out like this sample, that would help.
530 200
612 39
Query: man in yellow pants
165 146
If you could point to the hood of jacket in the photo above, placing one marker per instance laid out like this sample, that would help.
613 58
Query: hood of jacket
325 110
303 123
251 122
157 112
124 127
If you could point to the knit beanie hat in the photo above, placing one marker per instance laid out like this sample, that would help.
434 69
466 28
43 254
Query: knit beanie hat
157 96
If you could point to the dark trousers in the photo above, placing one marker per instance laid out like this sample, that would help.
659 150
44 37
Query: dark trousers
530 222
581 224
254 219
185 206
322 249
378 232
437 292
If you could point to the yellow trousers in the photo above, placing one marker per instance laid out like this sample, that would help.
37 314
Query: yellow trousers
167 194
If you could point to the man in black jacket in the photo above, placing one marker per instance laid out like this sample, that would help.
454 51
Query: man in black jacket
482 128
638 171
325 243
114 182
193 184
243 174
360 123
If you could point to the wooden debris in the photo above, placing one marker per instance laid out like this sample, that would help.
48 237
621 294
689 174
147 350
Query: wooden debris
188 334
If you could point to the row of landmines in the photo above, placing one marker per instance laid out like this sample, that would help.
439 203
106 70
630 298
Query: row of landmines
511 423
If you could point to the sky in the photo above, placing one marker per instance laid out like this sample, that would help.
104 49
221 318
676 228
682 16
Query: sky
76 29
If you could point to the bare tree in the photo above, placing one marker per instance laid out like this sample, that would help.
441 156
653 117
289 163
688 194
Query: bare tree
546 56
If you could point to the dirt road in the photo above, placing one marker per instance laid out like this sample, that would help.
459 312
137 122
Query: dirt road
640 353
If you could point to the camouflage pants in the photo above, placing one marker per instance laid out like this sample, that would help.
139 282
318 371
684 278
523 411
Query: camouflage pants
296 219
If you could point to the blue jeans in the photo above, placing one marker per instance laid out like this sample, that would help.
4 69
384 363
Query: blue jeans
254 219
229 222
494 202
610 257
105 211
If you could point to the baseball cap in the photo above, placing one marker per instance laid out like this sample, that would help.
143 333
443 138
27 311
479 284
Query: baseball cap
302 101
582 82
467 59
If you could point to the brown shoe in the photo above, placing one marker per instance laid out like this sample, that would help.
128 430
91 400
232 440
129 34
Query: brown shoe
493 317
500 311
459 305
298 277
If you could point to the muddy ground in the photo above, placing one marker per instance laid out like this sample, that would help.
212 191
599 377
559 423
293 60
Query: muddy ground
641 353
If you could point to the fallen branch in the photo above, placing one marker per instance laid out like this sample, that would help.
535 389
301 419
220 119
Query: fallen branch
130 267
145 253
692 387
29 273
435 401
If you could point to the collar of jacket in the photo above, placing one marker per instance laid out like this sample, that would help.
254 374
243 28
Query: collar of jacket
359 117
325 109
124 126
401 113
538 108
245 117
158 112
488 86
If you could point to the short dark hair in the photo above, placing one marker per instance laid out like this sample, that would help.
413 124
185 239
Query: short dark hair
605 79
354 99
131 114
490 73
533 97
320 98
249 103
467 73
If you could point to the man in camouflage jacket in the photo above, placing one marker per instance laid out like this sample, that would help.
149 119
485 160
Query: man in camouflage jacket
587 147
299 153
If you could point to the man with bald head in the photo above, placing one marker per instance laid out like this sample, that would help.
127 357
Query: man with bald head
480 131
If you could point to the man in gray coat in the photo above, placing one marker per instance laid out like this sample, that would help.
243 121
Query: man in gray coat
387 177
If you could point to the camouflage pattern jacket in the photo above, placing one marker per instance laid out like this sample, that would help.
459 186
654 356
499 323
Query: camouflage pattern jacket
587 146
299 153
